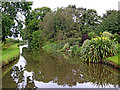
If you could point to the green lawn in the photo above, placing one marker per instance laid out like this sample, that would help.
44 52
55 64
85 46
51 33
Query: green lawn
9 54
115 59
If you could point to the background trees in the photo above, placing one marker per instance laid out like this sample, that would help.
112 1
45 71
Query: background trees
56 25
69 22
11 22
110 22
32 22
87 19
43 24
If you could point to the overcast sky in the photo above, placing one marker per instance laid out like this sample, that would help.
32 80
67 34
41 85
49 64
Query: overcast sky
100 5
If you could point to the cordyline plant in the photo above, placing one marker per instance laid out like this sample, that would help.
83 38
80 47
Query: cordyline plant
97 49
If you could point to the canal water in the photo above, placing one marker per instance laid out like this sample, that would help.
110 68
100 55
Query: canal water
38 69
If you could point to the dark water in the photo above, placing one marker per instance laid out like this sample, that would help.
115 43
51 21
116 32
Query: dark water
38 69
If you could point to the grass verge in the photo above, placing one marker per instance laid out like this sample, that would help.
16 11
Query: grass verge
9 54
114 59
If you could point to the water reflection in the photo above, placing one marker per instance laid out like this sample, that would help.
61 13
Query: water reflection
38 69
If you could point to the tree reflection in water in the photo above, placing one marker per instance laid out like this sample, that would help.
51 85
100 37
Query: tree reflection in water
46 70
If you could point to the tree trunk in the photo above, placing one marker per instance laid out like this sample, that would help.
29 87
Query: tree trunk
3 38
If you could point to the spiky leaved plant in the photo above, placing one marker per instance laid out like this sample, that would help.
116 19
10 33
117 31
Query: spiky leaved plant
97 49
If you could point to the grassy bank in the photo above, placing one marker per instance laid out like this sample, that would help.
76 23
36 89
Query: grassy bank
114 59
9 54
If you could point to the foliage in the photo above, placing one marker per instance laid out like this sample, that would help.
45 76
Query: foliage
61 47
8 42
11 41
108 12
62 24
0 27
87 19
110 23
56 25
54 47
75 49
65 24
4 46
11 22
84 37
9 54
35 41
32 32
66 46
97 49
77 52
86 43
118 46
48 47
73 41
117 37
107 34
91 35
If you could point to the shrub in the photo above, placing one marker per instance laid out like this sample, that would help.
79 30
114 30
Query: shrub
49 47
10 41
78 51
35 42
74 41
52 40
66 46
86 42
97 49
117 37
92 35
118 46
107 34
55 46
75 49
84 37
4 46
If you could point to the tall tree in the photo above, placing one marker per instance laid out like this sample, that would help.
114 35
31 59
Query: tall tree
88 19
32 23
11 22
108 12
56 25
69 22
110 23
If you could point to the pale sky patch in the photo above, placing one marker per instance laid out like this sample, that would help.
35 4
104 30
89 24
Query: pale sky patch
100 5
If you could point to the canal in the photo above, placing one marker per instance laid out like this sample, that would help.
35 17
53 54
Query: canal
38 69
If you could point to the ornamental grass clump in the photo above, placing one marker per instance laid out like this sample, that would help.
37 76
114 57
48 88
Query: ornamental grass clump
107 34
97 49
